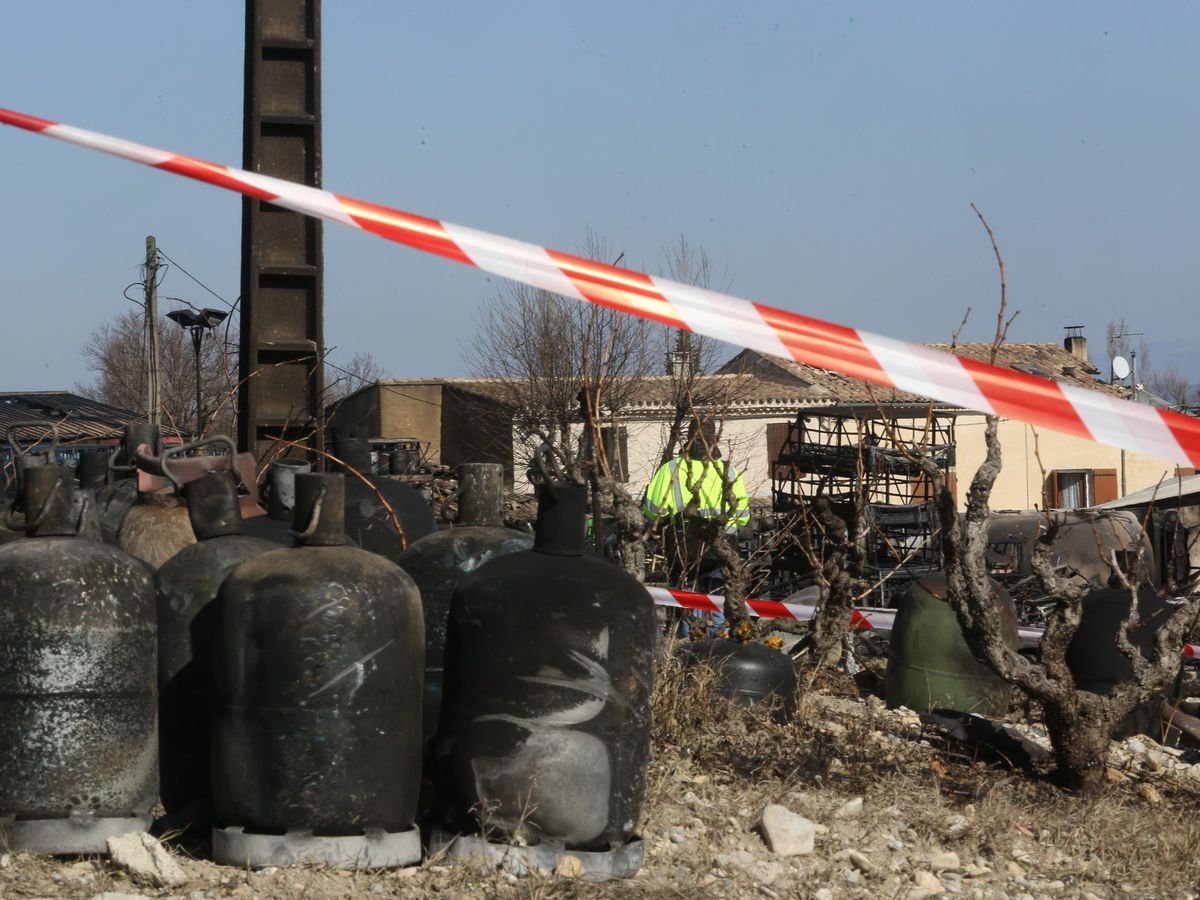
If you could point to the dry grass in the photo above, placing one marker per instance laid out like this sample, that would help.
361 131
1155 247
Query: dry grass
715 765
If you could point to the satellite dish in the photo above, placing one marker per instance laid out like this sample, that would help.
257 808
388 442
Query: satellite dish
1120 367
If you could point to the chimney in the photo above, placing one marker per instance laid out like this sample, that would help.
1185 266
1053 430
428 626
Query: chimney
1075 343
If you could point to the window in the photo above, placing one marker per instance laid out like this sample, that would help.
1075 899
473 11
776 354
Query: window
1080 488
777 434
616 449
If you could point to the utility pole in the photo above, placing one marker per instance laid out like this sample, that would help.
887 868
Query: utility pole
152 394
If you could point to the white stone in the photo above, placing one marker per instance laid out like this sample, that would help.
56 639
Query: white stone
860 861
852 809
569 867
786 833
925 884
145 859
947 861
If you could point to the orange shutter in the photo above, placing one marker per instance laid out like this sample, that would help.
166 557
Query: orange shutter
777 433
1104 486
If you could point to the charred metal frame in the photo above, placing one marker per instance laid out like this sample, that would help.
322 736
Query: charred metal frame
844 453
282 320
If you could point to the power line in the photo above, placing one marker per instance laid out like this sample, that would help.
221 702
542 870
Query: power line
195 279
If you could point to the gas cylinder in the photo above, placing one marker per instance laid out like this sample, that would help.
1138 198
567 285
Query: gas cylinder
1097 663
748 673
77 687
92 469
545 727
368 521
317 736
930 665
114 500
439 561
276 525
187 586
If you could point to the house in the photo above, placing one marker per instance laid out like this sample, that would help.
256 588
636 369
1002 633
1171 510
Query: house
1040 467
760 399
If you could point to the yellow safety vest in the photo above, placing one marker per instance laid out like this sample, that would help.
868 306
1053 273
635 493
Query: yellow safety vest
678 482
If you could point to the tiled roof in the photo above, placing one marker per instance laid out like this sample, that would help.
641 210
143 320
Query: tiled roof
1047 360
78 418
657 391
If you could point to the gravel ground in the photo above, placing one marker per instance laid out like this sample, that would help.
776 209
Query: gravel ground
895 809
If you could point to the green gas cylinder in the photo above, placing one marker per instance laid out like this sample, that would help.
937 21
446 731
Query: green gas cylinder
930 665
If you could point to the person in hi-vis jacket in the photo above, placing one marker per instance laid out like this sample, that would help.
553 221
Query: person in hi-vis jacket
690 494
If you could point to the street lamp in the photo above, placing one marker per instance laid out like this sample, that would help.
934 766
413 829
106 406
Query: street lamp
197 321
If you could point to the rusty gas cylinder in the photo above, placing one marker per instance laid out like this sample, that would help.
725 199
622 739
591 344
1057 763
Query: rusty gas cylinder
439 561
545 728
77 686
317 749
187 587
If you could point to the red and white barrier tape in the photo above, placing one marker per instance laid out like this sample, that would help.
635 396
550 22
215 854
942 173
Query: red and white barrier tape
763 609
908 367
878 619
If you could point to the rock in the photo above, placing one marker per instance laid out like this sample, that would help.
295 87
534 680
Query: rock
767 872
740 858
823 894
947 861
1150 793
786 833
956 825
569 867
117 895
145 859
675 835
860 861
1015 869
925 884
5 860
850 810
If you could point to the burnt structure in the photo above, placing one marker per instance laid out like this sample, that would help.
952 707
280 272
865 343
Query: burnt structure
282 327
860 459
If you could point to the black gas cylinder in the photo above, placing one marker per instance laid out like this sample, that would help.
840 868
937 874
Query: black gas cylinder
368 522
114 500
92 469
318 726
77 686
187 587
748 673
280 493
1097 663
545 729
439 561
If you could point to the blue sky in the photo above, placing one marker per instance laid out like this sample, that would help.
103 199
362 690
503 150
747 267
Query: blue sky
825 155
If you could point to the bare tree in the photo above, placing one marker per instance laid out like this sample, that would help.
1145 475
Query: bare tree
541 350
1168 383
690 357
116 353
1080 723
343 380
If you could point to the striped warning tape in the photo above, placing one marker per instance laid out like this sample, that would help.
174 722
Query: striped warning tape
908 367
877 619
763 609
